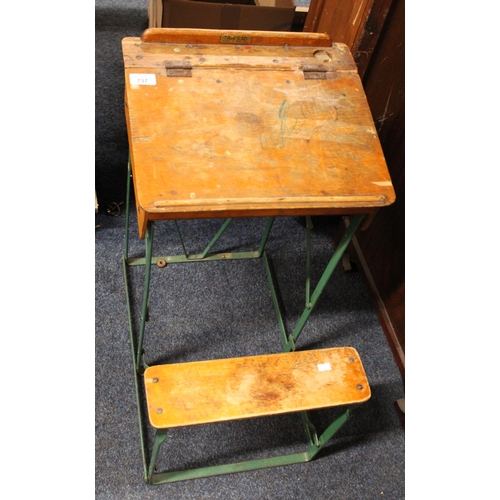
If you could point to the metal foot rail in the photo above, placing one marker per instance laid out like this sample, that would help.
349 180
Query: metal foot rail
262 463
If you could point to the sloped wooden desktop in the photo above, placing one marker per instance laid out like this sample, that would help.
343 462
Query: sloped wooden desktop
225 124
260 125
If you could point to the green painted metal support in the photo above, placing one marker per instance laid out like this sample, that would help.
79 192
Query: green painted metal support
289 340
217 470
314 442
331 430
274 297
145 300
205 256
314 446
309 227
160 437
267 231
181 239
209 246
311 433
149 260
136 377
325 277
127 206
179 259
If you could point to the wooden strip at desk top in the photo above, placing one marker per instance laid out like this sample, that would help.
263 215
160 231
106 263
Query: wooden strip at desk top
213 36
244 133
204 392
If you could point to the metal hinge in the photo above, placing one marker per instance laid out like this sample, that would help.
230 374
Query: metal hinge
314 71
178 68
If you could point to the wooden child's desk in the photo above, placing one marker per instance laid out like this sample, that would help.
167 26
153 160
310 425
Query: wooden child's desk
225 124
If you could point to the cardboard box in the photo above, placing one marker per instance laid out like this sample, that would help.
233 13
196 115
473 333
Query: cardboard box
266 15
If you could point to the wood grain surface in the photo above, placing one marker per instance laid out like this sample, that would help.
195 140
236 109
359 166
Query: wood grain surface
203 392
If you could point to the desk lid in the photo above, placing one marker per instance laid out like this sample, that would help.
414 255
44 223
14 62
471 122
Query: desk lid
244 123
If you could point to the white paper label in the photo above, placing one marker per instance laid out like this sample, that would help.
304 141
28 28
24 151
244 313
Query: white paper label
324 367
142 79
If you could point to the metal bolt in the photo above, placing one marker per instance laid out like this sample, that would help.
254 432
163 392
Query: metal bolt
351 360
155 380
360 387
159 411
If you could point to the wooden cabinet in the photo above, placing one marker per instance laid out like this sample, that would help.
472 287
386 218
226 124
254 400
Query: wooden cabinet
374 31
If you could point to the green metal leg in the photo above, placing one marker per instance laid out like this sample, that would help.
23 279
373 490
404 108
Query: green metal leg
309 226
127 205
327 273
311 300
160 437
145 300
315 442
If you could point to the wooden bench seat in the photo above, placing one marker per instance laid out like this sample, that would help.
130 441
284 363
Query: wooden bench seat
203 392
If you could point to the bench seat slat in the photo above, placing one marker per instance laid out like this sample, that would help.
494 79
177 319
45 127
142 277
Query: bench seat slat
211 391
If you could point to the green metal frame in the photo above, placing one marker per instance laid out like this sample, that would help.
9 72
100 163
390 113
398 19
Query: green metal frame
289 340
315 442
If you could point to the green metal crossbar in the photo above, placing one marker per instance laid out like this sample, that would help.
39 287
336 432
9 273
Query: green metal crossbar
205 255
315 444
